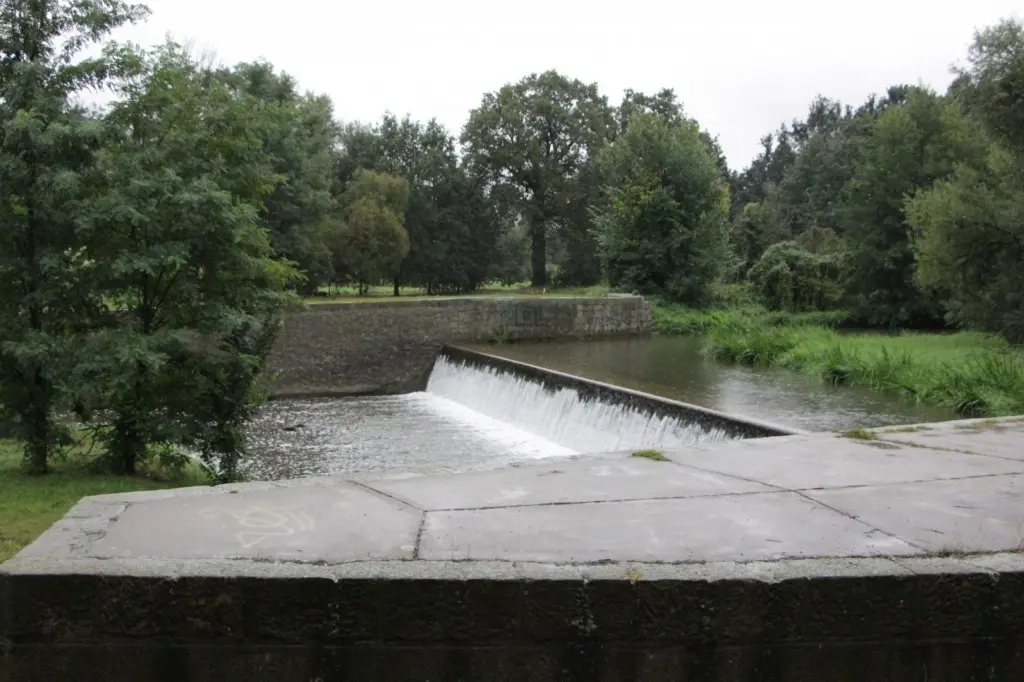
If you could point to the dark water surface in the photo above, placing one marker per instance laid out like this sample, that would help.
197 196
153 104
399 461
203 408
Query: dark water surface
674 367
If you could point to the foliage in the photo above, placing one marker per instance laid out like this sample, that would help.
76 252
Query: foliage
971 228
298 133
451 226
971 245
912 146
373 242
678 320
991 84
47 150
179 254
663 227
534 137
789 277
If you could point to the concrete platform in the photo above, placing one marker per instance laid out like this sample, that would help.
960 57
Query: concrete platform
809 557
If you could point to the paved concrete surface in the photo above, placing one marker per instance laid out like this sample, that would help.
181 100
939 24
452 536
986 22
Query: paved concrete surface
956 488
803 557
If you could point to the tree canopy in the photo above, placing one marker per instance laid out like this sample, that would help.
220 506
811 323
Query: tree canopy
150 246
535 136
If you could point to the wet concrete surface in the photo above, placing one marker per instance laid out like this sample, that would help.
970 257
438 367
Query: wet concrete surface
764 499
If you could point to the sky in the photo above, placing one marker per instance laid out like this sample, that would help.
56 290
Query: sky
740 68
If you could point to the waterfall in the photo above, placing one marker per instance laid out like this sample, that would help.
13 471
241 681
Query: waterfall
562 415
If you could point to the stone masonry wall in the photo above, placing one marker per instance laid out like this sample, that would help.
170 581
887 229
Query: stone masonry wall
337 349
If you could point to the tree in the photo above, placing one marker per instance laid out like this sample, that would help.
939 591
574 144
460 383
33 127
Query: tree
535 136
970 244
300 135
665 104
451 230
911 147
373 243
970 229
47 151
992 84
184 263
663 227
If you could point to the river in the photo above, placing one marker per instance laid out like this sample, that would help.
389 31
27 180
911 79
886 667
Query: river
469 421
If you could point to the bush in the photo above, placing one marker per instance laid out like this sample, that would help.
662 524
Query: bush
789 277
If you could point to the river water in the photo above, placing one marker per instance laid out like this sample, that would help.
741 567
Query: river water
472 419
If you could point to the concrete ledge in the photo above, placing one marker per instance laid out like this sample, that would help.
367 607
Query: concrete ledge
735 425
805 558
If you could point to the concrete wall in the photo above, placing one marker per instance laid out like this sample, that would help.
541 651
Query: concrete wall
383 348
697 625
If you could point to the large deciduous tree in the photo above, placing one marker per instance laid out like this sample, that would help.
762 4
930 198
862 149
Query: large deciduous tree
452 234
300 134
970 228
536 135
912 146
372 241
47 153
184 262
663 226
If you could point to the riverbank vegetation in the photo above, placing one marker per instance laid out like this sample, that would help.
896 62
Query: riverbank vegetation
151 246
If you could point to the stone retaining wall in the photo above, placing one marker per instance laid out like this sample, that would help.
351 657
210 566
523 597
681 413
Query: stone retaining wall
337 349
811 621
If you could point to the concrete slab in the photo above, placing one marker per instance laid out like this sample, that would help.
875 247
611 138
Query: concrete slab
564 481
727 528
950 517
336 524
992 437
800 558
827 461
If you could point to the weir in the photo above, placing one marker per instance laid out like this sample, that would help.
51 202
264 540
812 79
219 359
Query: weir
578 413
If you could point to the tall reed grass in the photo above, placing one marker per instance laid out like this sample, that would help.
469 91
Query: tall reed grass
972 374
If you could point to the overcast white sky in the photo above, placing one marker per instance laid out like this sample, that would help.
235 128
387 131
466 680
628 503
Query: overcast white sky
740 67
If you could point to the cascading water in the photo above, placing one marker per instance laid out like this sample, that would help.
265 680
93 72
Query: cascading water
562 415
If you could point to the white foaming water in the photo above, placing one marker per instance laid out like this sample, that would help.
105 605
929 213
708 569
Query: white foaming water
518 441
561 416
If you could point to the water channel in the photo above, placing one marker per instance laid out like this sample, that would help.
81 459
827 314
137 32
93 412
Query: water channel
468 419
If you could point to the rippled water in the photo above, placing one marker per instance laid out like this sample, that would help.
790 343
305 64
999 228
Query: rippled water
414 433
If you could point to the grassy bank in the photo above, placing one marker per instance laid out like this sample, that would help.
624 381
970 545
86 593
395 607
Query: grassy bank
381 294
675 319
31 504
973 374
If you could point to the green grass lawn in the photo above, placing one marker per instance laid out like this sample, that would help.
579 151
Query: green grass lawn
381 294
30 504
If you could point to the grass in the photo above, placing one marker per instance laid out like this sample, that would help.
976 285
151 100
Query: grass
859 433
676 319
655 455
976 375
31 504
382 294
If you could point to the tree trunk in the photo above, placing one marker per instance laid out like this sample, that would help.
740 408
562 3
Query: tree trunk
538 255
37 444
396 286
